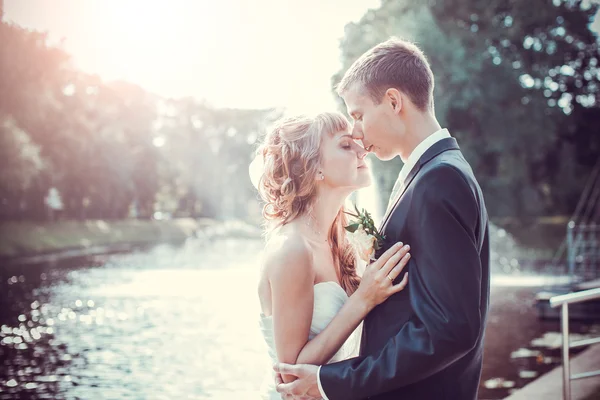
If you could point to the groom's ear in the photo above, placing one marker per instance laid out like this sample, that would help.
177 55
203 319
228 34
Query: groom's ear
394 98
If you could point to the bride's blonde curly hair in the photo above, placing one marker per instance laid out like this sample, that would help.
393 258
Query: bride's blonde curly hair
288 185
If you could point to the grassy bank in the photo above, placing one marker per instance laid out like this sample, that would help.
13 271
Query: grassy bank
30 238
542 236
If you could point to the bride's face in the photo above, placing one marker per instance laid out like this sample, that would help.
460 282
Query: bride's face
343 162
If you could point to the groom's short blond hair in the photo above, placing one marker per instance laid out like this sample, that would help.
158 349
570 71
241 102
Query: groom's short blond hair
395 63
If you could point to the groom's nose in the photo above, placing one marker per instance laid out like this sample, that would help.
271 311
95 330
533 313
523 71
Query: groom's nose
361 152
357 133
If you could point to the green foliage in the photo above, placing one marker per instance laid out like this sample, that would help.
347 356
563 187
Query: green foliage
516 83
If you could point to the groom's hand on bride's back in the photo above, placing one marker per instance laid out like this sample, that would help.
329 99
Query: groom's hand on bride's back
377 282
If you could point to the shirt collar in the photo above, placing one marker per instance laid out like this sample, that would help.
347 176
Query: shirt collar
421 149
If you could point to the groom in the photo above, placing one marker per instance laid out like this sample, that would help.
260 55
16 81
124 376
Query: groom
425 342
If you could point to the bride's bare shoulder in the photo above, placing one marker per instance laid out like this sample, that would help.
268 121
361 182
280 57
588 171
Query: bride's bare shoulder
287 252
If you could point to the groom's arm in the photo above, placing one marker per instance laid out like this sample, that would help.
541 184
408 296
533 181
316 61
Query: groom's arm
444 290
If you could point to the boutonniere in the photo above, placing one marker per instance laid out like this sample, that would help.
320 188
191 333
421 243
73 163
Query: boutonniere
363 235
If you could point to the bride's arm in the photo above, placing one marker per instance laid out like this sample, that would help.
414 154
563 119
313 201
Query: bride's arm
374 289
291 278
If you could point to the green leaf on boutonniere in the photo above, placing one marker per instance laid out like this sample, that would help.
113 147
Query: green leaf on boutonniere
352 228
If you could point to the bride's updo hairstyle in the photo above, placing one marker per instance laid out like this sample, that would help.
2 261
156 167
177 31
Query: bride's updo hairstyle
288 185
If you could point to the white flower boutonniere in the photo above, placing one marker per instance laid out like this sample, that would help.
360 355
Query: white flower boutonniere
363 235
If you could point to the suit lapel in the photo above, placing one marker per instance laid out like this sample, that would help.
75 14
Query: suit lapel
435 150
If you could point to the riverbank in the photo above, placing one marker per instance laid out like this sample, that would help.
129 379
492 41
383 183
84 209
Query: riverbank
30 239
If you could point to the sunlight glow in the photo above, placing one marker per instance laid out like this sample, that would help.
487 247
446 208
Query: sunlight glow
159 141
233 53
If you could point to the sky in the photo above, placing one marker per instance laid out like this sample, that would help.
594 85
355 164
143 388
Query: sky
233 53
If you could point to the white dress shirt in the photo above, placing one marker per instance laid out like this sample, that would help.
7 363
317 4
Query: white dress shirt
410 163
412 160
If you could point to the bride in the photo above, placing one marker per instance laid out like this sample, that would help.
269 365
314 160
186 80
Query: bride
311 296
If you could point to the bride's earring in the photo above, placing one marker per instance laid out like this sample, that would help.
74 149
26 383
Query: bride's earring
321 176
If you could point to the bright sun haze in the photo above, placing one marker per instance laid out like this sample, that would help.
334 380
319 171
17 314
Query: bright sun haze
233 53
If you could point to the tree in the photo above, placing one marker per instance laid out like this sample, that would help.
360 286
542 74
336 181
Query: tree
111 147
29 71
554 55
508 102
206 154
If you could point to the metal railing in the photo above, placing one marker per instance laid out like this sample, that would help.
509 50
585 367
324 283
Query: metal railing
563 301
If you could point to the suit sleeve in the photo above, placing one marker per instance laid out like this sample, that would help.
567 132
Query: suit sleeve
444 290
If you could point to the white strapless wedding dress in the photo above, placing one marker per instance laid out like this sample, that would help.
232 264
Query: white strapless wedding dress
329 297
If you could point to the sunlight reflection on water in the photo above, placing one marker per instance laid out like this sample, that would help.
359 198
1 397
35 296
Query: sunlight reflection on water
139 329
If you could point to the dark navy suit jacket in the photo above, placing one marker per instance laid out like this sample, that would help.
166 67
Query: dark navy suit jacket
426 342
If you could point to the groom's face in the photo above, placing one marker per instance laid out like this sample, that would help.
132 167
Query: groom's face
374 125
